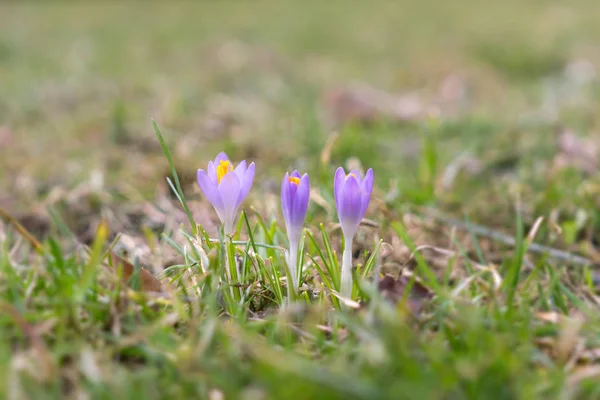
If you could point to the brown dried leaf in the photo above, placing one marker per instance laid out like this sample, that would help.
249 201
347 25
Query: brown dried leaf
568 338
582 373
394 290
364 104
138 143
148 282
549 317
568 346
37 223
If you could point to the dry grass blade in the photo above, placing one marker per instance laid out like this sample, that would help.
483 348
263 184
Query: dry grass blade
534 229
346 301
21 229
428 213
326 153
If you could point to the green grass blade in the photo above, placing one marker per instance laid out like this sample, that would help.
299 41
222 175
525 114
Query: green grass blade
421 263
178 189
512 276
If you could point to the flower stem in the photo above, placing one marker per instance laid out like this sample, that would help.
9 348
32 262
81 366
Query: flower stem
293 267
346 279
231 272
228 228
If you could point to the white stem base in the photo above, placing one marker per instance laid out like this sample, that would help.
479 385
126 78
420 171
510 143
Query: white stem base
293 267
228 228
346 279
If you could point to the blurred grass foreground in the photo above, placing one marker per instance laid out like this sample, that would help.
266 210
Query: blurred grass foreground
475 269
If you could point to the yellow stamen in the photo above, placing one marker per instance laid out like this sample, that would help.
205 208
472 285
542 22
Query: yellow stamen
223 169
350 174
295 180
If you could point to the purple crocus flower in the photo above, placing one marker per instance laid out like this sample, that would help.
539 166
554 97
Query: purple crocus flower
295 191
226 187
352 196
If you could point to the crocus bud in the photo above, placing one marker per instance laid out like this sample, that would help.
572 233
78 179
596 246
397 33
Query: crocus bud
295 191
352 196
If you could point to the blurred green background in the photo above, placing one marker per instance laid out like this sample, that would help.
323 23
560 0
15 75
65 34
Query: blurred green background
492 83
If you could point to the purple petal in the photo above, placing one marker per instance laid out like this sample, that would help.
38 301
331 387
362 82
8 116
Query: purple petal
288 192
211 192
300 202
220 157
358 176
229 189
365 199
246 183
212 172
240 170
338 184
368 182
295 174
351 206
367 189
286 198
293 189
209 188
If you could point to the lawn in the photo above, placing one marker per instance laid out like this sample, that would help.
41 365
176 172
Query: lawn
475 267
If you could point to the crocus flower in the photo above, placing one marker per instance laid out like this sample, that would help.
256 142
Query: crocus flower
352 195
226 187
295 191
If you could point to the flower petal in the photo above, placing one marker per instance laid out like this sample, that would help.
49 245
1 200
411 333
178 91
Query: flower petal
286 199
211 192
367 189
351 207
220 157
246 183
300 202
368 181
338 184
212 172
209 189
229 189
357 175
240 170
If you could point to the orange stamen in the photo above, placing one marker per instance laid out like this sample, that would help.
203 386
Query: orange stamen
294 180
223 169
